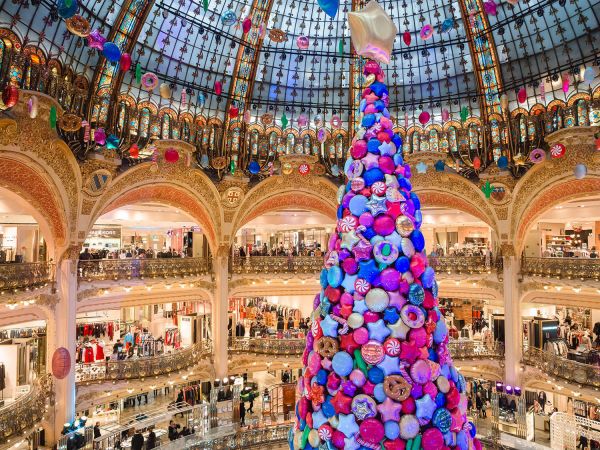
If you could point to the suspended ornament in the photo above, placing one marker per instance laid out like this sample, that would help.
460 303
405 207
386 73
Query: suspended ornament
522 95
247 116
233 112
302 120
445 115
372 32
504 102
100 136
537 155
543 91
476 163
566 82
228 18
232 167
330 7
322 135
165 91
266 119
61 363
205 5
262 30
32 106
447 25
134 151
406 37
341 47
79 26
204 162
502 162
405 120
201 99
154 158
138 73
125 62
278 36
112 142
271 167
86 131
304 169
302 42
558 150
171 155
219 162
246 25
426 32
487 189
490 8
464 113
183 97
10 96
218 88
513 2
111 52
69 122
149 81
284 121
580 171
67 8
424 117
96 40
318 120
597 141
335 122
439 166
335 170
53 117
253 167
589 74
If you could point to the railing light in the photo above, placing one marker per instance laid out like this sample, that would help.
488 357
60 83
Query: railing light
577 290
558 288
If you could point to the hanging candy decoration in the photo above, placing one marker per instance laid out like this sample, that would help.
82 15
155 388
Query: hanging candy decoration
502 162
490 8
566 82
424 117
125 62
112 142
184 97
138 73
406 37
542 89
537 155
284 121
154 165
53 117
228 18
32 106
335 122
204 161
304 169
205 5
318 120
372 32
558 150
79 26
111 52
232 167
218 87
341 47
476 163
253 167
86 131
100 136
67 8
405 120
201 99
580 171
149 81
445 115
233 112
96 40
134 151
426 32
247 116
10 96
464 113
589 74
447 25
302 120
322 135
302 42
522 95
330 7
246 25
171 155
165 91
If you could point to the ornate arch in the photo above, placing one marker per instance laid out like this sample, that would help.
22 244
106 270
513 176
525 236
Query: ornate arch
578 96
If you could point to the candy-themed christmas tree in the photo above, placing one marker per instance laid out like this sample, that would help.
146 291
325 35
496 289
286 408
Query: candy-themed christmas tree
377 371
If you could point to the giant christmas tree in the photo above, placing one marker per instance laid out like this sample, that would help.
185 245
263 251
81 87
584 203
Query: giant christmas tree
377 371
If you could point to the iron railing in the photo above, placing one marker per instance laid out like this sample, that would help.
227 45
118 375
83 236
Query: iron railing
134 368
16 277
467 349
267 346
126 269
465 264
562 268
276 264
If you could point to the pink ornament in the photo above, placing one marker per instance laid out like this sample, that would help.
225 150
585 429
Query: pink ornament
424 117
566 82
522 95
61 363
302 42
322 135
218 88
433 439
445 115
96 40
384 225
100 136
125 62
490 8
406 37
247 116
371 430
86 130
171 155
246 25
302 120
183 97
543 91
371 68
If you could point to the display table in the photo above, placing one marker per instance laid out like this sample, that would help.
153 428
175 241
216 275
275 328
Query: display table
158 431
585 357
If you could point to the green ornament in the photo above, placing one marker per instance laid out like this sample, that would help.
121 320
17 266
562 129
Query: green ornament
341 47
464 113
487 189
53 117
284 121
304 438
138 73
417 442
205 5
360 362
232 167
68 3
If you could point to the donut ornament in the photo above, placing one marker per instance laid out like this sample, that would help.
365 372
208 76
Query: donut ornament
149 81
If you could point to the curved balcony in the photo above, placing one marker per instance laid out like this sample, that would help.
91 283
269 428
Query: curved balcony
27 410
464 265
16 277
562 268
568 370
128 369
267 346
468 349
127 269
276 264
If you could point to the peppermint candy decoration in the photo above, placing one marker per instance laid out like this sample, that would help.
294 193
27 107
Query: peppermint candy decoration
558 150
315 328
347 224
378 188
325 433
392 347
304 169
362 286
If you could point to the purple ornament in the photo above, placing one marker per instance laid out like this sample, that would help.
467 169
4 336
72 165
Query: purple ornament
96 40
384 225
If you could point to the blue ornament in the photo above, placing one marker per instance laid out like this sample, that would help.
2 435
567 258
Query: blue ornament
111 52
340 212
402 264
323 278
418 240
321 377
342 364
440 399
368 120
379 393
447 25
392 429
462 441
397 140
416 294
253 167
373 146
473 430
428 277
439 165
329 7
291 438
390 315
373 175
380 106
335 276
378 89
358 205
327 408
112 142
415 199
204 161
375 375
369 233
502 162
67 8
201 99
442 419
228 18
440 332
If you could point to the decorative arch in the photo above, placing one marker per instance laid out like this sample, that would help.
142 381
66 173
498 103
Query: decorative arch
578 96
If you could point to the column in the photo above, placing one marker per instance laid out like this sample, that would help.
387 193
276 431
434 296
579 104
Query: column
512 321
62 333
219 313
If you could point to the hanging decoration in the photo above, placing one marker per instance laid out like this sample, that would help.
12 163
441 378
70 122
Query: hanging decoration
372 32
284 121
79 26
171 155
304 169
542 89
445 115
302 42
247 116
100 136
10 96
96 40
67 8
329 7
406 37
341 47
439 165
204 161
138 73
490 8
558 150
487 189
335 122
476 163
232 167
522 95
53 117
502 163
134 151
464 113
201 99
154 159
112 142
233 112
32 106
566 82
266 119
184 97
302 120
111 52
228 18
537 155
205 5
318 120
149 81
218 88
253 167
125 62
86 131
61 363
322 135
246 25
165 91
589 74
426 32
580 171
447 25
424 117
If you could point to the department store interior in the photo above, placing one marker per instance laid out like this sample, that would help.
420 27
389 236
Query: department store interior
317 224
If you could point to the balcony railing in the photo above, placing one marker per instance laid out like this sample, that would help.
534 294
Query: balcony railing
466 265
569 370
134 368
467 349
25 412
16 277
267 346
276 264
562 268
126 269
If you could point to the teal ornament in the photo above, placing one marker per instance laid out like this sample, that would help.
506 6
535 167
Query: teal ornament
232 167
447 25
329 7
502 162
487 189
111 52
112 142
53 117
341 47
67 8
228 18
138 73
253 167
201 99
204 163
439 166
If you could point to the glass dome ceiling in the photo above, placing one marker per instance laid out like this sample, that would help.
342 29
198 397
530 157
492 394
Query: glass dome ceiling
265 70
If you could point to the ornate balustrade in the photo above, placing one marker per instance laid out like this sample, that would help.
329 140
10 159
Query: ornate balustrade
126 269
572 371
276 264
27 410
467 349
562 268
133 368
464 264
267 346
16 277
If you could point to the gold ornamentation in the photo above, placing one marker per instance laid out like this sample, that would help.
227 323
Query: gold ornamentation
232 197
219 162
277 35
79 26
70 122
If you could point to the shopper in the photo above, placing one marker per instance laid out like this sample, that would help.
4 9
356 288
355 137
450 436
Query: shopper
137 441
173 434
97 433
151 442
478 404
242 414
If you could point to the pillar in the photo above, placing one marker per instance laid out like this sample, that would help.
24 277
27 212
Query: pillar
220 314
63 334
512 321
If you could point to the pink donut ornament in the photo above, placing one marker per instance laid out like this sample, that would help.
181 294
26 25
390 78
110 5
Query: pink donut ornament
426 32
149 81
412 316
302 42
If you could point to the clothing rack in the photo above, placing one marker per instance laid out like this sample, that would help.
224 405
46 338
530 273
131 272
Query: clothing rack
22 332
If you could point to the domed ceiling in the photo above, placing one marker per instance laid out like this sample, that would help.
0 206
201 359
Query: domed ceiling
477 51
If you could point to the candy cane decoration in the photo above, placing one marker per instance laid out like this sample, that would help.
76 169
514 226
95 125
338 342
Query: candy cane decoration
342 322
366 444
183 98
404 373
86 131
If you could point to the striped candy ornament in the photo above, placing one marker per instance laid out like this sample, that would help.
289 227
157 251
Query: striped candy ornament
347 224
378 188
362 286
